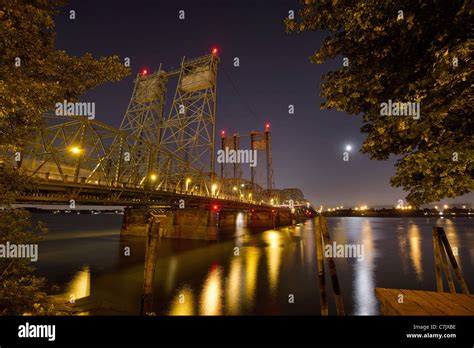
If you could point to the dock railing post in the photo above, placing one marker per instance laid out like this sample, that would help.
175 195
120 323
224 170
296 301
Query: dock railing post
152 233
332 267
437 259
457 270
444 262
320 267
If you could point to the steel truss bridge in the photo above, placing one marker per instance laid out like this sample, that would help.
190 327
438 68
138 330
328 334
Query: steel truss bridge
153 157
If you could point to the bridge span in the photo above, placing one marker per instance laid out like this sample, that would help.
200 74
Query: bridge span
157 164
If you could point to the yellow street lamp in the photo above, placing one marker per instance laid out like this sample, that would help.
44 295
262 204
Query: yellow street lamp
75 150
214 189
188 180
153 177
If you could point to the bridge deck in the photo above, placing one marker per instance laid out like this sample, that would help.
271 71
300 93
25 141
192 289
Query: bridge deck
420 302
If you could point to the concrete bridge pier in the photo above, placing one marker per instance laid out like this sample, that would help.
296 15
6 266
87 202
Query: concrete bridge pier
134 221
283 218
262 219
204 223
182 223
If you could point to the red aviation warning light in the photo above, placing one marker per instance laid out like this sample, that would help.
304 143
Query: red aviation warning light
223 133
214 51
267 126
144 72
215 207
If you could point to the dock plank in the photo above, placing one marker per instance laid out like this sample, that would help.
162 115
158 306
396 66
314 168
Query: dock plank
461 300
389 298
421 302
445 303
429 306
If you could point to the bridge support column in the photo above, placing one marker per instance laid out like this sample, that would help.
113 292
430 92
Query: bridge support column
205 224
134 221
182 223
265 219
284 218
193 224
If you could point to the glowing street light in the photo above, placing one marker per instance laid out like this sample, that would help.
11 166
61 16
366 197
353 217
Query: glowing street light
153 177
234 188
188 181
445 206
75 150
213 189
348 147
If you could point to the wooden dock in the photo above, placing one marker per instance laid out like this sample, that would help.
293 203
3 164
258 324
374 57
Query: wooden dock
419 302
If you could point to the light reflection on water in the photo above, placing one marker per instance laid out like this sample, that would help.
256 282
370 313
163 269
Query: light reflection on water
204 278
273 254
414 237
183 303
211 294
364 300
80 285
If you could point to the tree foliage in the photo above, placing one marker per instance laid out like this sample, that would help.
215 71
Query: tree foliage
45 75
34 76
404 51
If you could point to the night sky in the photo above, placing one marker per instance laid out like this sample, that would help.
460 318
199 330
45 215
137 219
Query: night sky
274 72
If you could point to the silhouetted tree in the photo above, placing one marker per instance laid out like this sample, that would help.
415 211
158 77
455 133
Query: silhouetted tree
34 76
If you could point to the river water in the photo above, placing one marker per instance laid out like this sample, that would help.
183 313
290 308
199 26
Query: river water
272 272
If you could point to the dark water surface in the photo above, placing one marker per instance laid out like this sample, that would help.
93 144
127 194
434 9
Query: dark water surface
84 255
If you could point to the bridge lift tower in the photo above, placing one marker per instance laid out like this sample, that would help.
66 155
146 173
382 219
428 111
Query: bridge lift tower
149 150
261 142
189 130
176 151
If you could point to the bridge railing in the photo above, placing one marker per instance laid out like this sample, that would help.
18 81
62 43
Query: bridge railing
68 179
